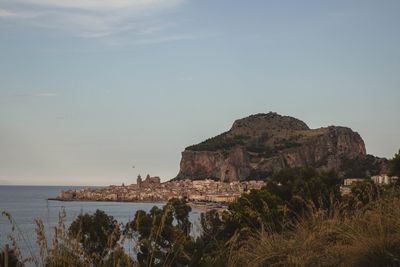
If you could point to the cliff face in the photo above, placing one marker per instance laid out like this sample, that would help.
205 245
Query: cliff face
260 145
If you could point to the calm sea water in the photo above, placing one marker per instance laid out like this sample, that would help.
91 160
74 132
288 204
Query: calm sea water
27 203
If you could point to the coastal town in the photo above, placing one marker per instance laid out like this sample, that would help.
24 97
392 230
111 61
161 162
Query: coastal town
150 189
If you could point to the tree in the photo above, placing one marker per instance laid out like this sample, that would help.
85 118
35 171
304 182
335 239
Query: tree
162 234
299 187
97 233
181 213
394 165
254 210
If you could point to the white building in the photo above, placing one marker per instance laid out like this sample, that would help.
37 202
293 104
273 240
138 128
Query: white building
383 179
351 181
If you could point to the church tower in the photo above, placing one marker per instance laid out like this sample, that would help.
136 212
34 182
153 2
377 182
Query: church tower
139 181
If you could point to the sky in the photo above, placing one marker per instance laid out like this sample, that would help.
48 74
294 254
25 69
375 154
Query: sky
94 92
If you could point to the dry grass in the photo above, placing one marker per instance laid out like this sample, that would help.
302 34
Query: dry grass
59 250
367 237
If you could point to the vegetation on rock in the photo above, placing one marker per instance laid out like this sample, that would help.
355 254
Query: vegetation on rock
219 142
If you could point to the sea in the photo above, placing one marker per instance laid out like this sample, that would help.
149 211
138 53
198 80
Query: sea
27 203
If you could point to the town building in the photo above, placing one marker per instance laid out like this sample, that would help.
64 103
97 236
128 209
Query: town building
384 179
352 181
148 182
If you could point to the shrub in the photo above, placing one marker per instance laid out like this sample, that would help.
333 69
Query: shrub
394 165
98 234
219 142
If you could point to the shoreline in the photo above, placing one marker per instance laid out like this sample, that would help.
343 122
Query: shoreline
202 206
105 200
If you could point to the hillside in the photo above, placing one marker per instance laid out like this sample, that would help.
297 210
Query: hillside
259 145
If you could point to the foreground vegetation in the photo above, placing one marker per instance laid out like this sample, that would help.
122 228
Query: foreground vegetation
298 219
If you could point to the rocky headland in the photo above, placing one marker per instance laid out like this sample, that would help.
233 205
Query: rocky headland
260 145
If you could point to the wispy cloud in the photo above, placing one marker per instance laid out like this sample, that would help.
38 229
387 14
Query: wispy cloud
20 95
6 14
17 97
44 94
169 38
137 5
91 18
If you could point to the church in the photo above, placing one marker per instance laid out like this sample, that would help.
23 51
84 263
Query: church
148 182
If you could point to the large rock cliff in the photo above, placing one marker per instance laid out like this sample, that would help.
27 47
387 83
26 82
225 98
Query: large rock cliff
258 146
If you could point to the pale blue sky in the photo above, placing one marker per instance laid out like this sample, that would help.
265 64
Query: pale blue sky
89 88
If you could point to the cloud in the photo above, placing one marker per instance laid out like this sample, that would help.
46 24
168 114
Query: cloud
17 97
168 39
107 5
90 18
44 94
22 95
6 14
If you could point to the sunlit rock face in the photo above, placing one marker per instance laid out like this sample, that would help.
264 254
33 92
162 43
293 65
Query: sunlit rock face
260 145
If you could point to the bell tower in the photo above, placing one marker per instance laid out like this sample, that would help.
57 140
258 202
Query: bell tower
139 181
